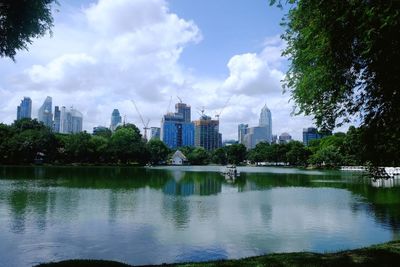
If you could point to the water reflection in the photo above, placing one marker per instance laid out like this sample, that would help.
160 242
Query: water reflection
144 216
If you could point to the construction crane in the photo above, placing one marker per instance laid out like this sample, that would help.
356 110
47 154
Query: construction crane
169 105
226 103
180 99
145 124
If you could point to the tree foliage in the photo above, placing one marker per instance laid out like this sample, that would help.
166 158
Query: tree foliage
21 21
345 62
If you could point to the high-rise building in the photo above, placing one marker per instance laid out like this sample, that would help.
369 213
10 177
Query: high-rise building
266 121
261 133
207 133
24 110
182 108
116 119
312 133
285 138
242 131
176 128
155 133
57 117
44 114
70 121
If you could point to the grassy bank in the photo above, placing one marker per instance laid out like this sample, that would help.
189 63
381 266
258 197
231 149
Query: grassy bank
387 254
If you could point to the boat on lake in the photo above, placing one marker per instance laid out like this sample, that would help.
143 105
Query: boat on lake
230 172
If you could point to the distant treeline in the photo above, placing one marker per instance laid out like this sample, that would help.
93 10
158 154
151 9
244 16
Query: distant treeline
28 141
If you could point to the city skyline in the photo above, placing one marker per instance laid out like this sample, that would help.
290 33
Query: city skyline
205 60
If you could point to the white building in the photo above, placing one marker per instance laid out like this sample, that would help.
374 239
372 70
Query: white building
260 133
178 158
70 121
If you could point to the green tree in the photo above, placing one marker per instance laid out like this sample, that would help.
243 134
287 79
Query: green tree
344 62
78 147
21 21
126 145
158 151
297 153
98 148
199 156
259 152
219 156
103 132
236 153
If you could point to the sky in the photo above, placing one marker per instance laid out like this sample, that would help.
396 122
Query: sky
102 54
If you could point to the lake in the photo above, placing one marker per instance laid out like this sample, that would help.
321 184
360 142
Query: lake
176 214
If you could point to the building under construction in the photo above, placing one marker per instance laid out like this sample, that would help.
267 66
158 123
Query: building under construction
207 133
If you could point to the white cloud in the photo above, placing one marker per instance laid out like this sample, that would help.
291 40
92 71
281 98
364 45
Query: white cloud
103 55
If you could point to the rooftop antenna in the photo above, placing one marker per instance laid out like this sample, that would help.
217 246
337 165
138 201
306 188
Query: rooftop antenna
145 124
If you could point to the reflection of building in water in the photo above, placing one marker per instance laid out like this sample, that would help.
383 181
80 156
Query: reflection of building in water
248 186
386 183
187 187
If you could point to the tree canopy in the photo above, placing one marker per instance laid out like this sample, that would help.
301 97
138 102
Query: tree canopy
21 21
345 63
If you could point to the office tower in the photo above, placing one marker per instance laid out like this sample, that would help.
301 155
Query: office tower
266 121
115 119
182 108
57 117
24 110
207 133
176 128
312 133
155 133
261 133
44 113
70 121
242 131
285 138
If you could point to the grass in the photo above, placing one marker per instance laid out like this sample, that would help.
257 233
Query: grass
387 254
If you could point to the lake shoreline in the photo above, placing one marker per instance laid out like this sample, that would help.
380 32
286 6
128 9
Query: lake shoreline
385 254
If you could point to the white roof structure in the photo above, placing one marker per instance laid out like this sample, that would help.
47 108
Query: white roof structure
179 154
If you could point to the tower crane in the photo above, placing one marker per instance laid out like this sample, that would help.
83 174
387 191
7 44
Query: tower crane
145 124
226 103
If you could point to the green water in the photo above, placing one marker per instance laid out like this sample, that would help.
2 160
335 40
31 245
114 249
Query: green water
175 214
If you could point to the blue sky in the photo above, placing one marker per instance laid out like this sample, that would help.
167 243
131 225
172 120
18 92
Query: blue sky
103 53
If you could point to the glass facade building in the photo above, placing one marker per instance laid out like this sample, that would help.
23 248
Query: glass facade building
57 117
312 133
24 110
176 128
70 121
116 119
45 114
207 133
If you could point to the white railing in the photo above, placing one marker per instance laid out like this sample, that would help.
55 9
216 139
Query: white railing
391 171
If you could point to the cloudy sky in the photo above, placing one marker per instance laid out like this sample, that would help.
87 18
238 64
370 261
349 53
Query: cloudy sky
103 53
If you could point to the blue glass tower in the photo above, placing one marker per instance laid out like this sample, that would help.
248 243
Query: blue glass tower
25 109
176 128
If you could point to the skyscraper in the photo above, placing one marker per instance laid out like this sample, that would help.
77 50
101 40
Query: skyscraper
155 133
266 121
176 128
57 117
24 110
242 131
44 113
115 119
70 121
207 133
285 138
312 133
262 133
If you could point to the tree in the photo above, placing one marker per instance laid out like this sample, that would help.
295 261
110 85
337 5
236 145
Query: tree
345 62
103 132
158 151
126 145
259 153
199 156
21 21
236 153
297 153
219 156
